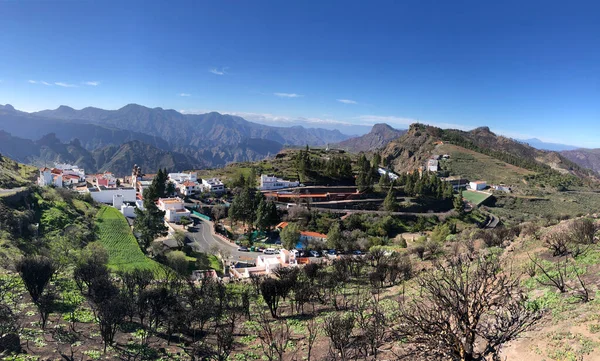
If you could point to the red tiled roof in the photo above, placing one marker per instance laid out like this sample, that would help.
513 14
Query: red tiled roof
189 183
56 171
313 234
71 176
282 225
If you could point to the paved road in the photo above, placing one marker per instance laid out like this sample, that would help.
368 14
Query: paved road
204 241
493 222
12 190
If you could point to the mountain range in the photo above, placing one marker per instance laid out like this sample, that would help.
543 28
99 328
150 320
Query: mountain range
115 158
97 138
211 139
539 144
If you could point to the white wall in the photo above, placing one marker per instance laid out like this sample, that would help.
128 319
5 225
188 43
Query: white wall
106 196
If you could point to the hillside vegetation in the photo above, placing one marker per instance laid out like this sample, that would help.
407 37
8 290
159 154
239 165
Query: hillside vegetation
14 174
114 233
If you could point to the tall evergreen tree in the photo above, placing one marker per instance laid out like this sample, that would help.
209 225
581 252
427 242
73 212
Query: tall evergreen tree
389 203
458 203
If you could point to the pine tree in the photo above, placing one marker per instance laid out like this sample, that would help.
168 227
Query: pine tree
458 203
149 223
389 203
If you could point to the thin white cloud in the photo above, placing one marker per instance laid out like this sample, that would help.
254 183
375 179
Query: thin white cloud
347 101
216 71
402 121
184 95
39 82
284 119
288 95
65 85
91 83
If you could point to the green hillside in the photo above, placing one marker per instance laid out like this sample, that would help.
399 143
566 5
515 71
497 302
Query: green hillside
115 235
14 175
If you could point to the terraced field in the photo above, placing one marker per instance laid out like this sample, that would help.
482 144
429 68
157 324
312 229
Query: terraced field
116 236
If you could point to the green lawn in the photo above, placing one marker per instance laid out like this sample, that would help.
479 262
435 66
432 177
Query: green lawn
476 198
116 236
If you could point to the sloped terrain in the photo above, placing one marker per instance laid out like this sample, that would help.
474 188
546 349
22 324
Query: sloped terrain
379 136
587 158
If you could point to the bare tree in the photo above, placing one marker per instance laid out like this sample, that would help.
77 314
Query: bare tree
558 243
312 329
557 279
274 337
339 329
467 311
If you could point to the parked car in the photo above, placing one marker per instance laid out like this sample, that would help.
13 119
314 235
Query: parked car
315 254
270 251
243 249
357 253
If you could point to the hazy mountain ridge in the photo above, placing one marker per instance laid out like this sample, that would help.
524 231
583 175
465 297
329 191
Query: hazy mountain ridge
190 129
115 158
539 144
378 137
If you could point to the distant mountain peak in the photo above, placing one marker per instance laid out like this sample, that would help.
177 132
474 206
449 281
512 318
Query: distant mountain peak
378 137
7 107
482 130
65 108
381 128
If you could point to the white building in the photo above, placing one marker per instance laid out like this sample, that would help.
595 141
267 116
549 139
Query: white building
174 209
178 178
478 185
271 183
106 179
46 177
69 169
433 165
189 188
266 265
213 185
102 194
306 236
390 175
60 176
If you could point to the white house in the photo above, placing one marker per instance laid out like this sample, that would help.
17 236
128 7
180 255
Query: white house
188 188
266 265
502 188
478 185
178 178
271 183
69 169
174 209
390 175
102 194
433 165
213 185
60 176
46 178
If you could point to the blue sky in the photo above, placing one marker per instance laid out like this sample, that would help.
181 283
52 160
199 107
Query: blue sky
524 68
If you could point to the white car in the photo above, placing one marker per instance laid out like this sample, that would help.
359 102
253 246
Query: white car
270 251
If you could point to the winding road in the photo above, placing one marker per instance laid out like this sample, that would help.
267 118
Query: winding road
203 240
